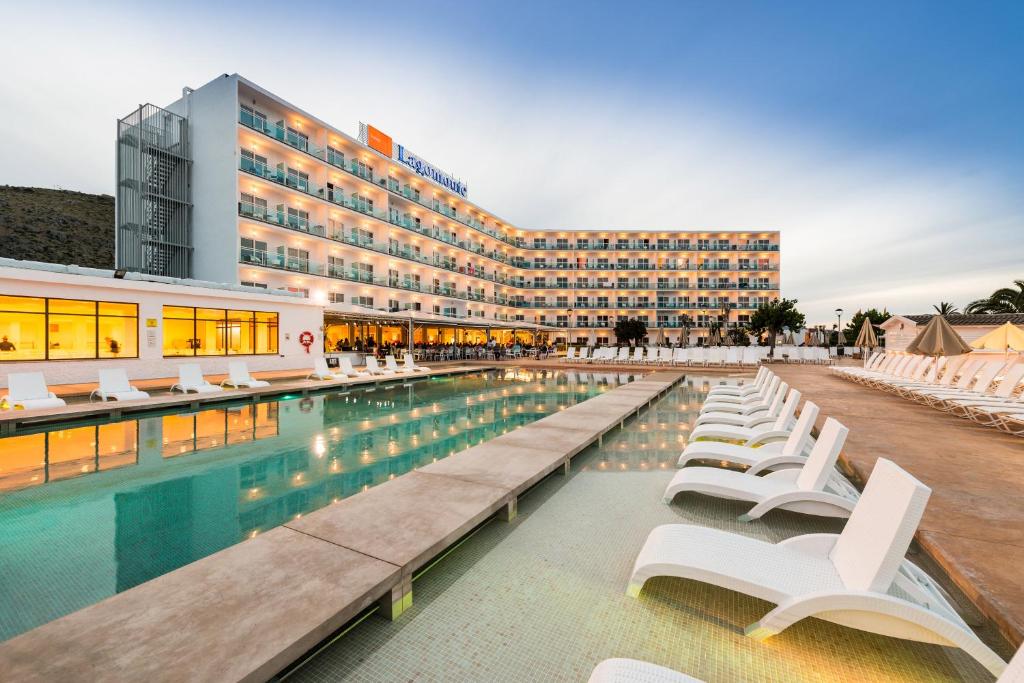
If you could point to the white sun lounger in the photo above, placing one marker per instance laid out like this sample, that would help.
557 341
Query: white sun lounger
1000 397
763 394
190 378
114 385
750 420
814 489
391 364
759 430
743 388
570 354
737 413
760 453
28 390
858 578
409 363
238 376
621 670
374 369
345 369
321 371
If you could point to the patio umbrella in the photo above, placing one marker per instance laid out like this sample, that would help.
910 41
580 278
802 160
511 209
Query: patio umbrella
808 338
714 339
727 340
1007 337
788 339
866 338
938 338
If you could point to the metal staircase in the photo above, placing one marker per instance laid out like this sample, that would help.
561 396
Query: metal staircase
154 227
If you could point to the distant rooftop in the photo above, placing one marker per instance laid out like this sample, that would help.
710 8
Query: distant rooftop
971 318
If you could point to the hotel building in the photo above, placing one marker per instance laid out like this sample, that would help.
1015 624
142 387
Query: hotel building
233 184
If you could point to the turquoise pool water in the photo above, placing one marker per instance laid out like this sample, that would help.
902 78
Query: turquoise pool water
91 509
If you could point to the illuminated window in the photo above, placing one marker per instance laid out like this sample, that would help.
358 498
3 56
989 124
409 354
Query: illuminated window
218 332
33 328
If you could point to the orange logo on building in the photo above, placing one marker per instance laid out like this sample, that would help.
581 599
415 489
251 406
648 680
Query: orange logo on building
378 141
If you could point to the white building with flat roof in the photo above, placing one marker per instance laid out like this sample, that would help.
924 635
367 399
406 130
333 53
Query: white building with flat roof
232 183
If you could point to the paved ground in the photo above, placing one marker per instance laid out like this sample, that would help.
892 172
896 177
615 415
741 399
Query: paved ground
974 524
543 598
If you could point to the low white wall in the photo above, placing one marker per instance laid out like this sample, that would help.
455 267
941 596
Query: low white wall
295 316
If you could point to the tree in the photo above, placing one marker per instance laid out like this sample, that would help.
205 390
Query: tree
774 316
1003 300
739 336
631 330
945 308
852 329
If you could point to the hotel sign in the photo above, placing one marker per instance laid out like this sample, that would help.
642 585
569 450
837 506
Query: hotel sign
377 140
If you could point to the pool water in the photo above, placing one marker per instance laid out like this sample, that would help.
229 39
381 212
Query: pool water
92 509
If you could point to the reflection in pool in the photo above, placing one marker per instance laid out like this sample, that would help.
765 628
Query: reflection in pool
87 511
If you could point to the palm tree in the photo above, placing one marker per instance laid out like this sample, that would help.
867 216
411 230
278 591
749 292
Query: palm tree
945 308
1003 300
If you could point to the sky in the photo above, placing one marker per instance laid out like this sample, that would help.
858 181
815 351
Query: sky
884 140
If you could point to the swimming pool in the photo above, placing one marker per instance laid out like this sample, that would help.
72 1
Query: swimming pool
91 509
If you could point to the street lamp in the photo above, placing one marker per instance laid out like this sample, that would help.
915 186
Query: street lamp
839 326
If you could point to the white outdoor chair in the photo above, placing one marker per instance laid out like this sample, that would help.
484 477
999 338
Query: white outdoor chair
584 355
621 670
570 354
778 419
28 390
814 489
374 368
665 356
114 385
391 364
743 405
859 578
761 452
652 355
190 378
745 386
321 371
732 355
411 364
623 355
1000 397
238 376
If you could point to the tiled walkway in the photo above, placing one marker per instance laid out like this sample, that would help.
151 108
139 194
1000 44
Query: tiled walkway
974 524
543 598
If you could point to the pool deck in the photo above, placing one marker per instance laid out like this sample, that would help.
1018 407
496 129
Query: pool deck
12 420
974 525
248 611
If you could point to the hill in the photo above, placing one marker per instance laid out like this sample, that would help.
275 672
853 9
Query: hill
57 226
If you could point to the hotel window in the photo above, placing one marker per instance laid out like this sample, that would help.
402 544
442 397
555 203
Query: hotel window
362 272
304 291
562 282
33 328
622 243
253 251
540 262
622 302
254 206
254 118
298 140
257 285
335 157
602 321
641 302
335 266
362 204
583 321
622 264
540 242
297 218
622 283
362 170
562 301
582 302
337 297
643 283
703 245
218 332
582 244
602 302
643 264
663 244
294 259
392 277
294 178
562 243
562 262
366 301
561 321
540 301
393 305
254 163
601 243
539 281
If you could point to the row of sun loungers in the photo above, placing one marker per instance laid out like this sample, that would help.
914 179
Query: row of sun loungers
29 391
696 356
987 391
858 578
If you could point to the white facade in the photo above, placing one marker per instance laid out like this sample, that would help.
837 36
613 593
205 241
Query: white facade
295 315
285 201
900 331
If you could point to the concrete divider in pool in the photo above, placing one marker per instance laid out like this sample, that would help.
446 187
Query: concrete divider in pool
248 611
